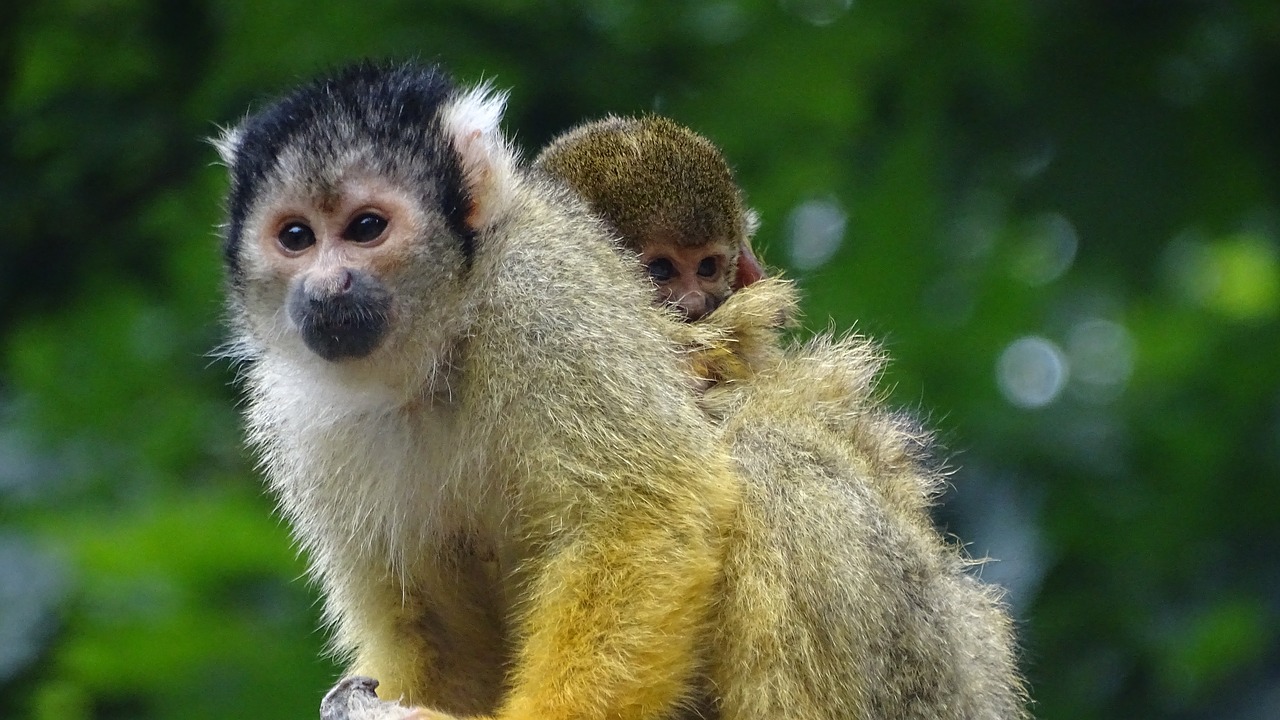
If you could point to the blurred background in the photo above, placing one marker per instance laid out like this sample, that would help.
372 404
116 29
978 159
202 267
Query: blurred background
1061 218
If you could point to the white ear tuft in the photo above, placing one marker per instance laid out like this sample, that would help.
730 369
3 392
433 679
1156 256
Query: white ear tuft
471 122
227 144
750 223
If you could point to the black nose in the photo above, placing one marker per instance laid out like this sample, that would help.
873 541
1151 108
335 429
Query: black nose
345 320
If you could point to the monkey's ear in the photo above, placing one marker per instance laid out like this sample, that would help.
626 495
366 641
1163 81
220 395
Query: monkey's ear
750 269
227 144
470 122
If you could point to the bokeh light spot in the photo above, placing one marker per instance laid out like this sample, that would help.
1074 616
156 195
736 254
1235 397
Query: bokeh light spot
1031 372
1048 250
817 12
1237 276
815 230
1101 357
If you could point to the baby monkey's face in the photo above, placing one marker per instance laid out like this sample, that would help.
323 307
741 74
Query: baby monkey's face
695 280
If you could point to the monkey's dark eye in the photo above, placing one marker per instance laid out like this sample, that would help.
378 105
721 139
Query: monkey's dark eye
707 268
661 270
296 237
367 227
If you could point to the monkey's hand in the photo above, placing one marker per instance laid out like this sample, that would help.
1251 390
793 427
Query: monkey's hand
741 337
353 698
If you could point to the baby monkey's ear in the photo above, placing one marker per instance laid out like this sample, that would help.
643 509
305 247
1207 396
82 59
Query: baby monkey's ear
470 121
750 269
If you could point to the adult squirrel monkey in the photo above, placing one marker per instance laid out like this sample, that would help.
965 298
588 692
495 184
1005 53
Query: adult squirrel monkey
468 409
481 431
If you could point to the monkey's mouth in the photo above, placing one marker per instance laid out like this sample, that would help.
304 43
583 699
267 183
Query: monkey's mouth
346 326
342 336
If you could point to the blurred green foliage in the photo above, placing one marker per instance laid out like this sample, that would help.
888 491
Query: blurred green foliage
1060 217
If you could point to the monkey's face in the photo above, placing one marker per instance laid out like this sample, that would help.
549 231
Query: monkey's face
332 256
694 280
355 209
346 272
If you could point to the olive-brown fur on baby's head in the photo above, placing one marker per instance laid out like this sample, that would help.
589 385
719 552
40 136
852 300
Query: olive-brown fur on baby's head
652 178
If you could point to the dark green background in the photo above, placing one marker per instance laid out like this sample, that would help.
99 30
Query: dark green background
1090 187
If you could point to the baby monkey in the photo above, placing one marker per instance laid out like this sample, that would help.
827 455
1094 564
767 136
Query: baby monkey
671 195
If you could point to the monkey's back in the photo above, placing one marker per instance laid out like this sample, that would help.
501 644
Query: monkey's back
842 599
565 331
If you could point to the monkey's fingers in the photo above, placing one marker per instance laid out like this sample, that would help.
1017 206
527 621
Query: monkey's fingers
353 698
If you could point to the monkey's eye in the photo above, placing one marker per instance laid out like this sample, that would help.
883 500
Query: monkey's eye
661 270
296 237
367 227
707 268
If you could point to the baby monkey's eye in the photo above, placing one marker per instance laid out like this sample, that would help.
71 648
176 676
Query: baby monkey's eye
296 237
661 270
707 268
367 227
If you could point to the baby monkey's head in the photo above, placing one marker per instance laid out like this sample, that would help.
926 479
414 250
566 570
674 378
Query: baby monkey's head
672 197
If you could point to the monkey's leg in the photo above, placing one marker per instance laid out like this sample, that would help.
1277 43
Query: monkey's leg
610 631
613 624
441 644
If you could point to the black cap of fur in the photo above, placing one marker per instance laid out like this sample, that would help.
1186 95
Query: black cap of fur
395 108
